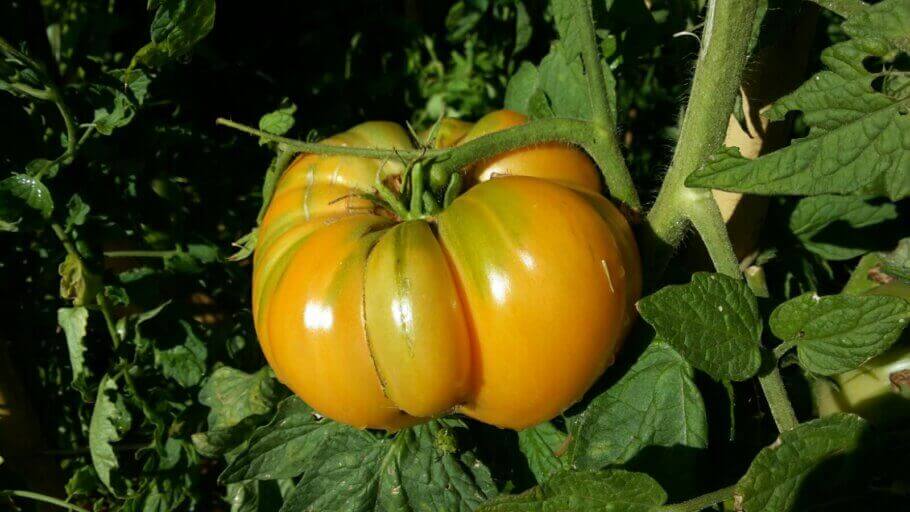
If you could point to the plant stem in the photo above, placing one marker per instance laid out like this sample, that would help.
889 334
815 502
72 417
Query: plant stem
276 169
605 148
570 131
776 394
782 349
701 502
139 254
709 223
300 146
43 498
725 41
105 308
452 159
101 299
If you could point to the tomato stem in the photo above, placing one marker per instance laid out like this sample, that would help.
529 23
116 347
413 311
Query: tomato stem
702 502
453 189
604 149
417 187
718 72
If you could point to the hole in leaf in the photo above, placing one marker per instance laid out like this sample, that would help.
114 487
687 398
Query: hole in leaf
874 64
878 83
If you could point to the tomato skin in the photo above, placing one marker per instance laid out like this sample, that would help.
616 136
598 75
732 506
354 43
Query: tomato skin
507 310
552 161
544 281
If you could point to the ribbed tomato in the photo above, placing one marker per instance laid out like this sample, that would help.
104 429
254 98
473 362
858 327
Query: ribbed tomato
506 306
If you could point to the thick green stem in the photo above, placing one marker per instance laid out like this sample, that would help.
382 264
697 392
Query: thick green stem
702 502
570 131
725 41
607 155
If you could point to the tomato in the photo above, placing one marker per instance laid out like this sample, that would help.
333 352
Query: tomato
506 306
552 161
879 390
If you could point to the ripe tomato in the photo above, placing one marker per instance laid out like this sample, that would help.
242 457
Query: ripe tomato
506 306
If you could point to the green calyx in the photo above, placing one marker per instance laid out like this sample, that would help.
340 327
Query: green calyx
426 190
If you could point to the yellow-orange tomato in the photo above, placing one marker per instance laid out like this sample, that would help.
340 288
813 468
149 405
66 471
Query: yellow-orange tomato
552 161
506 306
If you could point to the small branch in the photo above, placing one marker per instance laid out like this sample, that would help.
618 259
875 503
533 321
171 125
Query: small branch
597 84
710 225
605 149
43 498
701 502
725 41
843 8
279 164
776 394
782 349
570 131
139 254
108 315
317 148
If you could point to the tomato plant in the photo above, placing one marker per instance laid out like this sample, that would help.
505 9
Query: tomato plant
569 255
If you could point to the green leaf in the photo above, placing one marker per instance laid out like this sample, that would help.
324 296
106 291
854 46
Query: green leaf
284 447
234 395
712 321
523 28
897 262
656 403
177 27
110 420
539 444
84 481
193 260
521 87
773 481
878 268
820 221
73 321
557 88
254 496
217 442
278 122
463 16
838 333
354 470
183 363
613 490
76 282
859 138
76 213
30 191
41 167
117 98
